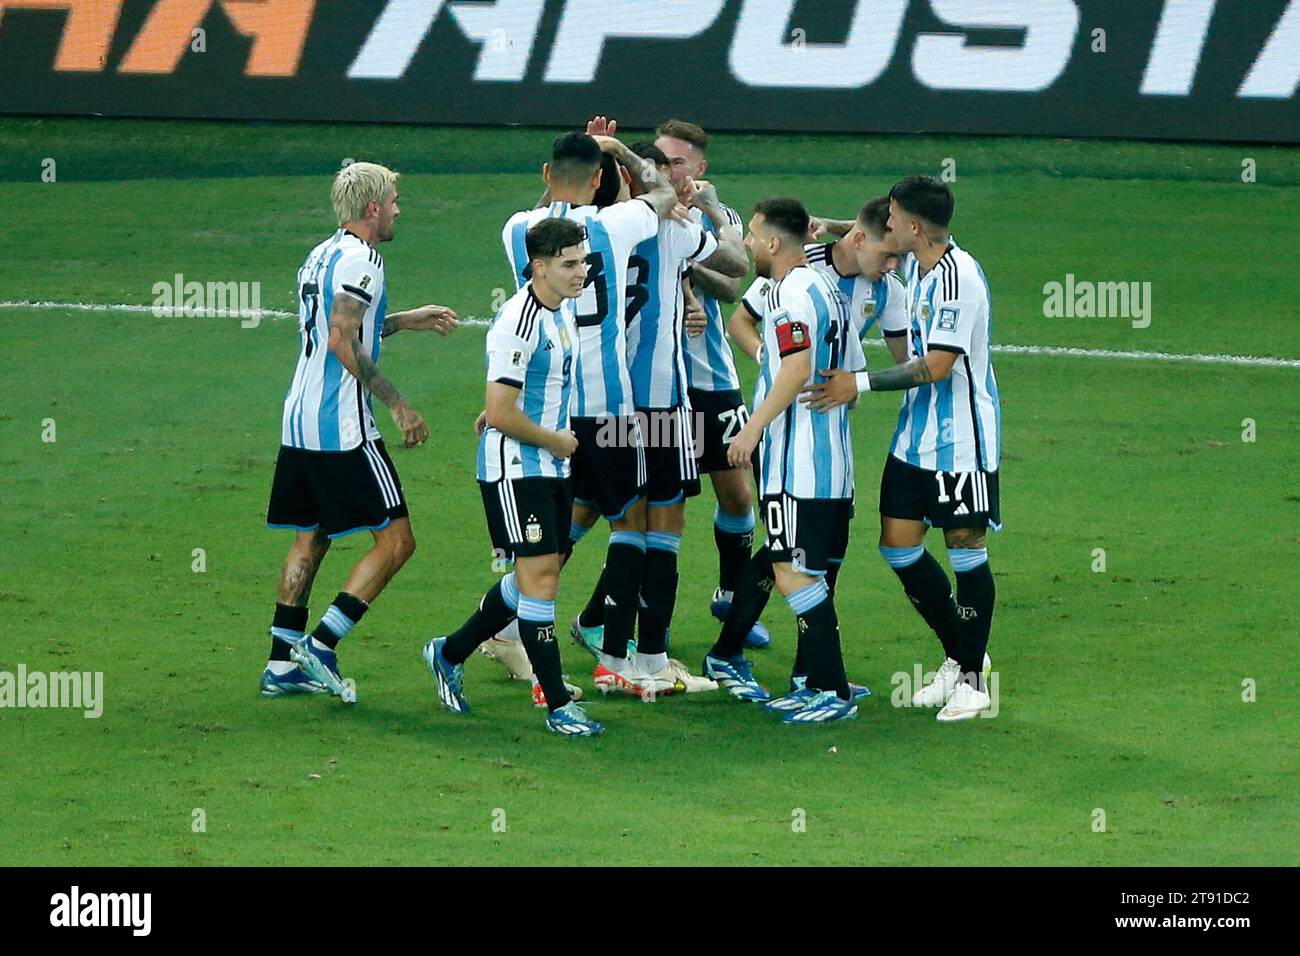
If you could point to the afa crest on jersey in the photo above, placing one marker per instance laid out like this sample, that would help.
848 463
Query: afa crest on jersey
868 308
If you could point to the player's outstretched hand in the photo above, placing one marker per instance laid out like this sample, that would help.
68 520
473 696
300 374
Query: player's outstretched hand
838 389
602 126
411 422
741 449
564 444
815 227
480 423
436 318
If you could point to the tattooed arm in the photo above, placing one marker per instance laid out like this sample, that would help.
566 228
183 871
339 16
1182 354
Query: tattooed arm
723 288
842 386
659 191
345 342
934 367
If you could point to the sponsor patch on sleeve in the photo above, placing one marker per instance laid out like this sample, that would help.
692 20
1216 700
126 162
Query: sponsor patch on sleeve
517 359
947 319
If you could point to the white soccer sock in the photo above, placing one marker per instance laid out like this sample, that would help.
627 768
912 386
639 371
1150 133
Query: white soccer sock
511 631
618 665
280 668
651 663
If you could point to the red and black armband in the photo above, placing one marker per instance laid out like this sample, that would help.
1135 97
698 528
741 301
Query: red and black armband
791 336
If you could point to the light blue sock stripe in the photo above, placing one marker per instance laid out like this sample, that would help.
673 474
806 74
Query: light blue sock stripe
286 635
902 557
733 524
967 559
633 538
536 610
578 531
510 591
663 541
807 598
338 623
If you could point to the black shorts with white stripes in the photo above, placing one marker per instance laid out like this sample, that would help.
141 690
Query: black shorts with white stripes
528 517
338 492
608 467
942 499
720 416
671 463
810 533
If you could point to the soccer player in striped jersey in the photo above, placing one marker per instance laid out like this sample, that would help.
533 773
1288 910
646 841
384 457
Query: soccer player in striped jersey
861 265
609 475
942 470
805 463
712 383
333 476
657 367
523 471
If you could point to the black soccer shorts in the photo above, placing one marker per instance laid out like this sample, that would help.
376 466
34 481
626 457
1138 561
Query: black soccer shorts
608 467
942 499
338 492
672 470
528 517
723 415
810 533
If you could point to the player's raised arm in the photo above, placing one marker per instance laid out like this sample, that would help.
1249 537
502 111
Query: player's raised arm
660 193
709 282
730 258
345 342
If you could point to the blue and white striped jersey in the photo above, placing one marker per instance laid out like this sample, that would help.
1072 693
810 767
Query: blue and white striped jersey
804 453
710 366
882 301
956 424
603 386
326 409
532 348
655 312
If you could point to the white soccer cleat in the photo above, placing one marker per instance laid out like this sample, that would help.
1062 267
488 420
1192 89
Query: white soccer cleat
510 655
690 683
660 683
965 703
938 691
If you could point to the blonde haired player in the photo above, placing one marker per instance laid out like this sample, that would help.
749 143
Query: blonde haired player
333 476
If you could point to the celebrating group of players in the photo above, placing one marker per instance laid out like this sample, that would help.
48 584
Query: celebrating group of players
611 386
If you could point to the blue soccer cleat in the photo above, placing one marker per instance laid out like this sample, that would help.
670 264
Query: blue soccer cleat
292 682
322 666
856 691
733 674
450 677
592 639
758 635
823 707
797 699
572 721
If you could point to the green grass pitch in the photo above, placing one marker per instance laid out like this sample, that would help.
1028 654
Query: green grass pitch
1121 691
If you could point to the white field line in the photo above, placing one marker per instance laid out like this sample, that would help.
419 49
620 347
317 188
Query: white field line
1053 350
